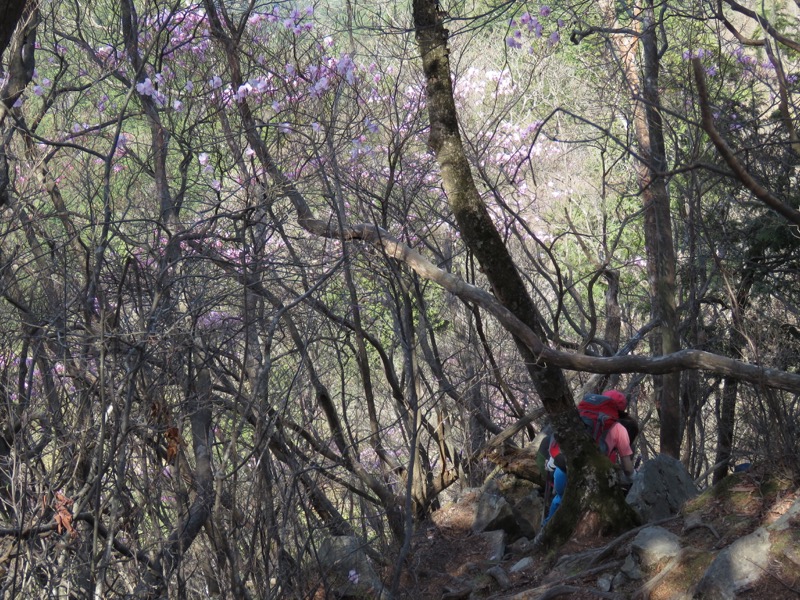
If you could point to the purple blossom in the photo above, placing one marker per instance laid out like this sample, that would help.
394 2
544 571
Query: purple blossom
545 11
353 576
145 88
699 53
244 90
555 37
320 87
513 42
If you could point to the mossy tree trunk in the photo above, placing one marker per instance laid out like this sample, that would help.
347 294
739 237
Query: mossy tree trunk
591 490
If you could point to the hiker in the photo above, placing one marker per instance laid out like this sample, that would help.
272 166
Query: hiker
613 429
619 440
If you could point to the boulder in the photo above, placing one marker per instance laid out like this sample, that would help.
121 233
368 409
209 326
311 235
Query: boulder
737 566
348 569
654 544
496 544
748 559
521 546
528 513
522 564
493 512
660 488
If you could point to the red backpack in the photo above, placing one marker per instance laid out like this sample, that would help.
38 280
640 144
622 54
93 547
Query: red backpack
598 412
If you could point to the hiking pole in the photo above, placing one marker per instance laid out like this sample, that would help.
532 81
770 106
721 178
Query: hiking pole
548 492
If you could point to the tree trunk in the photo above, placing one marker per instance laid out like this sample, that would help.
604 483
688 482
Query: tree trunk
649 131
730 388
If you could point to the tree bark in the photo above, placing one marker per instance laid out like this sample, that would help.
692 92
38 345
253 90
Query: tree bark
10 13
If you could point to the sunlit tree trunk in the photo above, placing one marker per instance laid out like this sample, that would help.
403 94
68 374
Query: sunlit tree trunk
642 78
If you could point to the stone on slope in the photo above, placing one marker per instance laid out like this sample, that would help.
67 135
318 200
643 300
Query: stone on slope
660 488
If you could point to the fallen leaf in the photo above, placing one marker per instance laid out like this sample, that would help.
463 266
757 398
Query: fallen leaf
63 516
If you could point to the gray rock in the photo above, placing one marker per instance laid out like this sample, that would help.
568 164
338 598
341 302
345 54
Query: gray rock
496 542
619 580
604 583
653 544
521 546
523 528
736 567
660 488
493 512
521 565
348 567
528 513
630 568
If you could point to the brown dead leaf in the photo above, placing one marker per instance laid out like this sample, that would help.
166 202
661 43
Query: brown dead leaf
63 516
174 442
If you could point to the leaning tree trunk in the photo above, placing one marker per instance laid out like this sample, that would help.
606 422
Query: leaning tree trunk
590 493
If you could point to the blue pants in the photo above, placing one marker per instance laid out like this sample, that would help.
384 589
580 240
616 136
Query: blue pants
559 485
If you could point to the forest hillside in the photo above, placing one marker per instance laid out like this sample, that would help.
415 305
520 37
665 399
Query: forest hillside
284 281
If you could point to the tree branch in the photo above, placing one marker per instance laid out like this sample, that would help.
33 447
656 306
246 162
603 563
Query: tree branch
729 157
768 27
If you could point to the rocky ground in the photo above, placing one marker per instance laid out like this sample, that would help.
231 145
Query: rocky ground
748 528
